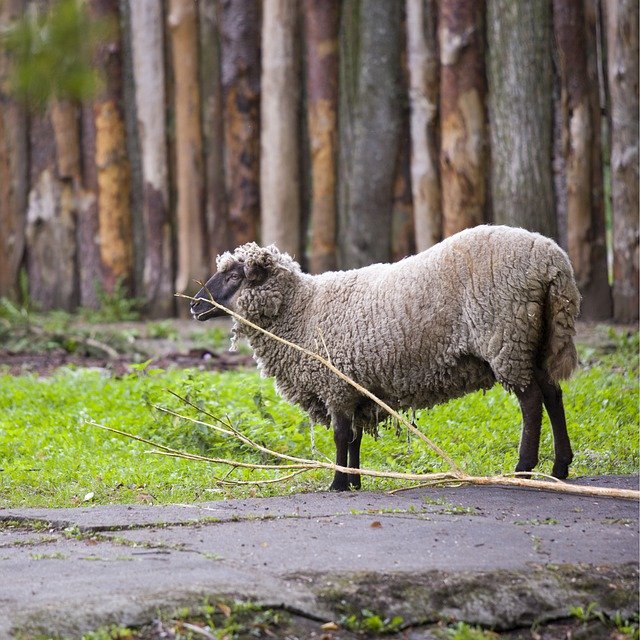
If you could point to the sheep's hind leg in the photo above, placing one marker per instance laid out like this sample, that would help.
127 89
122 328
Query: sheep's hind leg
354 457
552 396
530 400
341 436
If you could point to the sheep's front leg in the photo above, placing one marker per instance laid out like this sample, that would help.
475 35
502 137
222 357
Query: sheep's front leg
341 436
354 457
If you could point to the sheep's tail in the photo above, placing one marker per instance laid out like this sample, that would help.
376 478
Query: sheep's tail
562 309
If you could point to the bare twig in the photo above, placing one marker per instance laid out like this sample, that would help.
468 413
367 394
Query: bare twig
392 412
456 475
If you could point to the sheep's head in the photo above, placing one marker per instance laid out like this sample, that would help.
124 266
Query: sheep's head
247 282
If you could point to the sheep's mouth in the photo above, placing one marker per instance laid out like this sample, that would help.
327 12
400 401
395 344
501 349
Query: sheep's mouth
207 313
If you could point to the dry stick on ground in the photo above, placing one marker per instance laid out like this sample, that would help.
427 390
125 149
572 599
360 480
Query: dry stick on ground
456 475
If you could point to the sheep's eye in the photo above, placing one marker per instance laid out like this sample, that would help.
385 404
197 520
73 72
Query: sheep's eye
234 275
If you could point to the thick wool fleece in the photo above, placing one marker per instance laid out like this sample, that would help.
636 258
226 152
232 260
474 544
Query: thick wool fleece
490 303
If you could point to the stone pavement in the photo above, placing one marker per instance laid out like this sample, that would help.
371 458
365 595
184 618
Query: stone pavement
503 558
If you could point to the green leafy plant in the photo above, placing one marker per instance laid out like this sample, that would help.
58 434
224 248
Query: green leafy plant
52 52
368 622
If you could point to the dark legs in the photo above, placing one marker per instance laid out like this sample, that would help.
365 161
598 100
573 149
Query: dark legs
543 390
347 453
552 396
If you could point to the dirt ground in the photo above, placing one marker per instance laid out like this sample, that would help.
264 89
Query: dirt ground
183 349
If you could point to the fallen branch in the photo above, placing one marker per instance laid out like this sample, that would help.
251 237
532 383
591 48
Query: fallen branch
392 412
456 475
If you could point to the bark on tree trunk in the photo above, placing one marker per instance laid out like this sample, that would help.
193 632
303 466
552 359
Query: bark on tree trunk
50 235
577 143
193 261
213 131
322 18
114 211
403 237
520 111
622 72
462 114
148 68
369 129
13 168
597 303
424 77
88 227
240 22
279 175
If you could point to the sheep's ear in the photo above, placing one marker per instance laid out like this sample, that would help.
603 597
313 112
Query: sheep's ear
255 273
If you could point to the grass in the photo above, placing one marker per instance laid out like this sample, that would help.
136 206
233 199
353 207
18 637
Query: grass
49 456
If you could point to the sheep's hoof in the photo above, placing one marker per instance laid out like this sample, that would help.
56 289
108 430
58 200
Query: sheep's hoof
560 470
523 467
340 483
354 480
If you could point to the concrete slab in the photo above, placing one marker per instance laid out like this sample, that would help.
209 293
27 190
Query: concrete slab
493 556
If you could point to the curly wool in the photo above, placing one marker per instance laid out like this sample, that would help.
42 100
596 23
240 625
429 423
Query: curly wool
488 304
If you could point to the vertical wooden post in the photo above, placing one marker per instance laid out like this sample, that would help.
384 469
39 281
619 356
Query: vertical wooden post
424 76
279 163
463 152
322 18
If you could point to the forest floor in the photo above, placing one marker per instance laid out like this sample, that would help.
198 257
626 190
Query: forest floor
41 345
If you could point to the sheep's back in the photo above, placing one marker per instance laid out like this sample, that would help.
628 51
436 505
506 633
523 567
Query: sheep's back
428 328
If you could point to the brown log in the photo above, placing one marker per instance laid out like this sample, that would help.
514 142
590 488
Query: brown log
403 241
147 30
597 303
424 79
13 168
369 129
579 129
519 72
89 264
192 238
217 215
622 77
322 18
111 159
462 116
240 23
50 234
279 163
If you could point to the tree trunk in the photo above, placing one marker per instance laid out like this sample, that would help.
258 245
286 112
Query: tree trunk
148 67
424 77
403 237
13 168
193 261
114 211
462 114
50 234
240 23
520 112
279 175
577 142
88 227
597 303
322 18
622 76
369 129
213 131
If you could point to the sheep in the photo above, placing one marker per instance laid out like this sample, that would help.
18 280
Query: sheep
489 304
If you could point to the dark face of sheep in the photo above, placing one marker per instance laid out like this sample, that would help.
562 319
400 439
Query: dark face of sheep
225 287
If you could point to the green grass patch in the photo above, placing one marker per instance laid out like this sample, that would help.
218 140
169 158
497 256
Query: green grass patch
50 456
